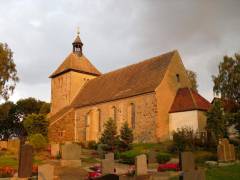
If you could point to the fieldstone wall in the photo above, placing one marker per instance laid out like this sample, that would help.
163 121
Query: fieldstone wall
62 129
145 118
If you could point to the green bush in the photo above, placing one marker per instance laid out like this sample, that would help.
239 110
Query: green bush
128 157
202 156
163 158
92 145
38 141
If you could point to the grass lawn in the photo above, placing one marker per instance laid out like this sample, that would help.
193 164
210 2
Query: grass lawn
8 159
224 173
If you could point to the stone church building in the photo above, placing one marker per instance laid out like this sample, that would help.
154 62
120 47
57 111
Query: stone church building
153 96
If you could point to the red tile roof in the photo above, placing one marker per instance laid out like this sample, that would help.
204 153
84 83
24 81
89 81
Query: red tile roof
187 99
136 79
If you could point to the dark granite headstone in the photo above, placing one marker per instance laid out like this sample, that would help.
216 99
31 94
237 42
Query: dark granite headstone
108 177
25 161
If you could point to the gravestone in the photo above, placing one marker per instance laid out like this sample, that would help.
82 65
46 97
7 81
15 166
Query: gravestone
107 166
45 172
225 151
71 154
71 151
187 161
141 165
25 161
108 177
55 149
109 156
100 150
152 157
198 174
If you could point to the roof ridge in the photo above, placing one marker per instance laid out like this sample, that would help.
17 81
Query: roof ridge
194 101
137 63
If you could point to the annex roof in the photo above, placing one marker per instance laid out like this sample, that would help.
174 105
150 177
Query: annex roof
187 99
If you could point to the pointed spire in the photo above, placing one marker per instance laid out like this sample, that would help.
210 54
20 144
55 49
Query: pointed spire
77 44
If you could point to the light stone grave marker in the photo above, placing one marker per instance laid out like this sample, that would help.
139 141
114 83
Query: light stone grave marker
107 166
187 161
71 151
141 165
109 156
46 172
71 154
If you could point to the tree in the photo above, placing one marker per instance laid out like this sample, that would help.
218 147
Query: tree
192 76
216 120
8 72
36 124
109 135
126 136
227 86
227 82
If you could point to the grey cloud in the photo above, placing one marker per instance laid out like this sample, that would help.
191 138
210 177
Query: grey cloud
117 33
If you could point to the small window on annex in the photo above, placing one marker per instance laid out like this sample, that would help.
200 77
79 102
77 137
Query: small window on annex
178 77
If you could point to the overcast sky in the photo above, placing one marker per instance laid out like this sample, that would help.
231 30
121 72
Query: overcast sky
117 33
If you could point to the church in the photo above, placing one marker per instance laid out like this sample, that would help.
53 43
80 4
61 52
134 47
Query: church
154 96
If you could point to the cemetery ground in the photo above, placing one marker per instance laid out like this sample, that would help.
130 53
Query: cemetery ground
90 157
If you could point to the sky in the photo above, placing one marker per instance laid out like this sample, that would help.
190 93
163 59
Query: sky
117 33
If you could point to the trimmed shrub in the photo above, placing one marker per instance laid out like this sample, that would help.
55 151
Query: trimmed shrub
38 141
202 156
128 157
163 158
92 145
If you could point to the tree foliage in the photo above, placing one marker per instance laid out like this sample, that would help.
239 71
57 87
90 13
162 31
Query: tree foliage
12 115
126 136
192 76
8 120
227 86
8 72
227 82
31 105
109 135
36 124
216 120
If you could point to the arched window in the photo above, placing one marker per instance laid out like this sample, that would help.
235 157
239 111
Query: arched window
99 120
133 115
87 119
114 113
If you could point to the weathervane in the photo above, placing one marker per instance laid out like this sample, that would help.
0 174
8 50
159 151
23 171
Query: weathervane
78 30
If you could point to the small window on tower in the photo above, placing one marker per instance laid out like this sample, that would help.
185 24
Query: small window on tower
178 77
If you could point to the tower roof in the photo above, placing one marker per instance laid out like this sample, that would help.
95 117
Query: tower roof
74 62
77 40
187 99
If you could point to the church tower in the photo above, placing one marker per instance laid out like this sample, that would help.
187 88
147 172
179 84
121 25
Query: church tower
68 79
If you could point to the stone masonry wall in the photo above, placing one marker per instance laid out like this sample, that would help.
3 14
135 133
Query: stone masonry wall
166 93
62 129
145 118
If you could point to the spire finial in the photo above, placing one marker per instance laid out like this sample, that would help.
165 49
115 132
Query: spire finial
78 30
